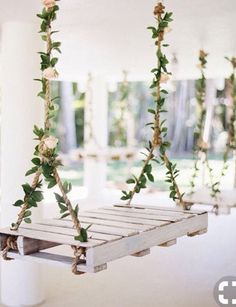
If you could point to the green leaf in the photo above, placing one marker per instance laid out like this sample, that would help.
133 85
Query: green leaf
36 161
37 196
83 237
152 111
32 171
59 198
54 61
18 203
27 188
52 183
62 207
65 215
130 181
27 220
150 177
27 213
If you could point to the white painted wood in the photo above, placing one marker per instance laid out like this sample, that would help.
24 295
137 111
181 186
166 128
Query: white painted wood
142 253
172 209
59 260
128 227
132 212
154 212
169 243
105 227
106 247
52 237
145 240
227 198
28 246
197 233
132 220
69 231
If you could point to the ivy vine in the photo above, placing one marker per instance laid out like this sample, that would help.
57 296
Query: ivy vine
45 161
231 127
158 142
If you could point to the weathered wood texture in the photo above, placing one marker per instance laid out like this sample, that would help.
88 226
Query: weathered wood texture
116 231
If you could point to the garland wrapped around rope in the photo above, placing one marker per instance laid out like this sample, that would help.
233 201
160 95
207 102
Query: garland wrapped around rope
161 75
45 160
201 147
231 127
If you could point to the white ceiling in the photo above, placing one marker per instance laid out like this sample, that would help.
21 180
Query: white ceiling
108 36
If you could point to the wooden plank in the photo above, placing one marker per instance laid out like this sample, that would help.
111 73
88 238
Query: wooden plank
129 227
52 237
3 241
59 260
145 240
227 198
103 228
69 231
130 212
142 253
196 233
169 243
172 209
154 212
131 220
28 246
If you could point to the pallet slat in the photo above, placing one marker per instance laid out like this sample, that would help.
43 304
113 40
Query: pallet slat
132 212
132 220
51 237
98 228
69 231
150 211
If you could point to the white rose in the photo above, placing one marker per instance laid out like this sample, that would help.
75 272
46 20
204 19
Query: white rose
49 3
51 142
164 78
50 73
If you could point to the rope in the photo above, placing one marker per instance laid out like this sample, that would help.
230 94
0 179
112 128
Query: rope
78 253
25 206
74 218
11 244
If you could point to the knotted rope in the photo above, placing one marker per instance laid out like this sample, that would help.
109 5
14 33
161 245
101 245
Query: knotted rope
78 253
11 244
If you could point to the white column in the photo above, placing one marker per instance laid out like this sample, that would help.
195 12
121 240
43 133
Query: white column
95 169
67 120
20 281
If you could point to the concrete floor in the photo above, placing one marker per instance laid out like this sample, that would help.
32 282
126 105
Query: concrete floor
183 275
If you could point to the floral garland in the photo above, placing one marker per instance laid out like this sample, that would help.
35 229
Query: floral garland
231 140
45 161
161 75
200 147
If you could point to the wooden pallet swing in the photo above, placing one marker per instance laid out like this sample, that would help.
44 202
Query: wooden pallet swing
221 201
105 234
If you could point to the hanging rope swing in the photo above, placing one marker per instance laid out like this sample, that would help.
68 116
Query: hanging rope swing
104 234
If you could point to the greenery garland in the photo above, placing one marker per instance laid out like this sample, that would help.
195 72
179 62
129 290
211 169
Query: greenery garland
161 75
231 127
200 146
45 161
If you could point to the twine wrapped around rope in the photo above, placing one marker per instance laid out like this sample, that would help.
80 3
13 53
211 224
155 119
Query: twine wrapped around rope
78 253
11 244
